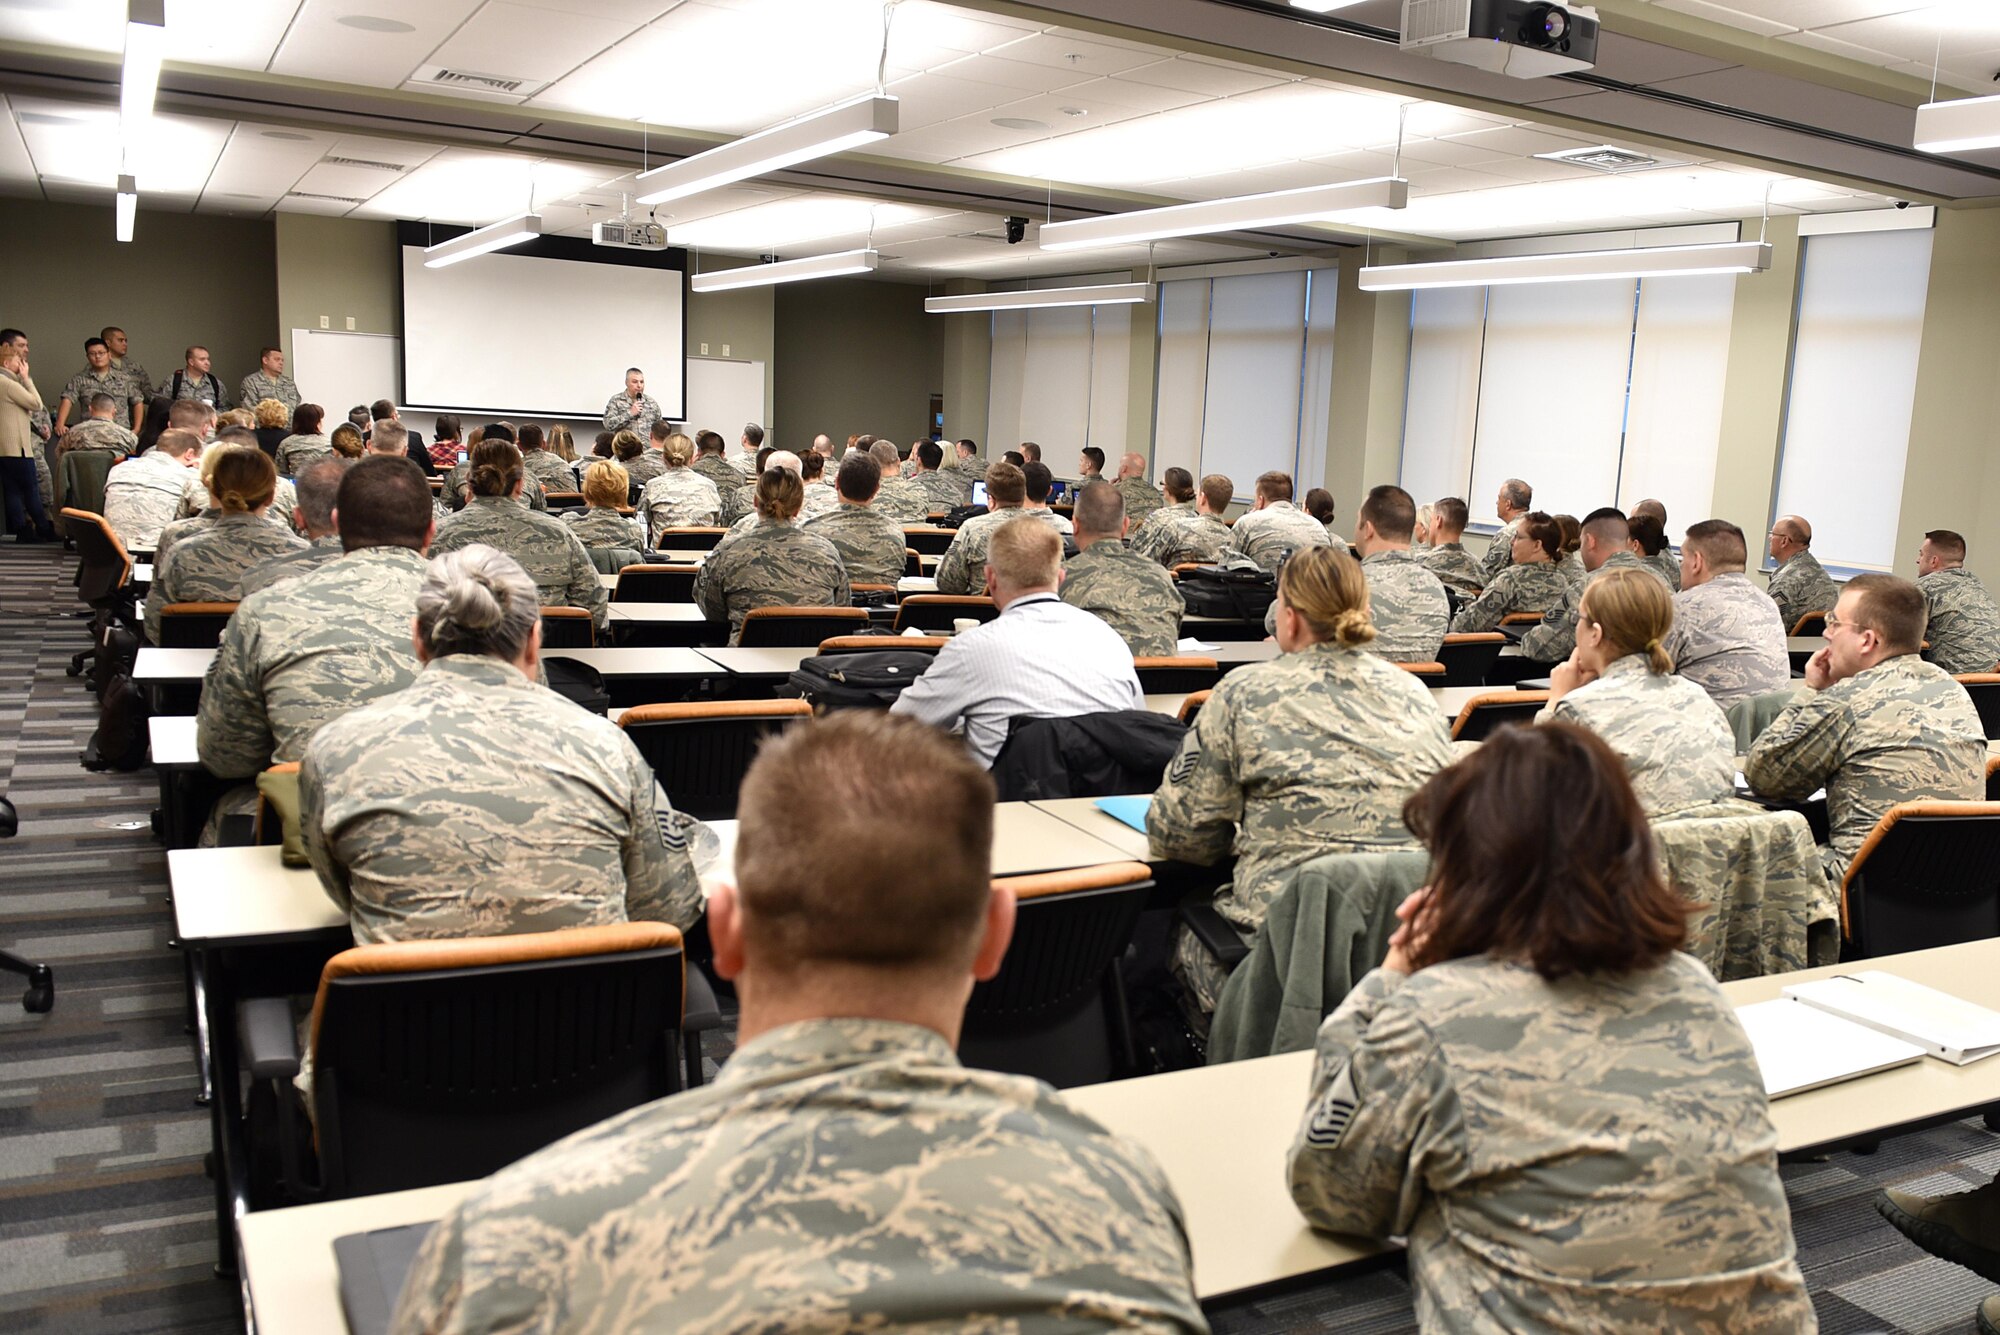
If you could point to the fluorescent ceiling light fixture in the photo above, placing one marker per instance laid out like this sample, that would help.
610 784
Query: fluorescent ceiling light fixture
786 271
859 121
128 206
1102 294
145 48
1954 127
1240 213
1575 266
493 236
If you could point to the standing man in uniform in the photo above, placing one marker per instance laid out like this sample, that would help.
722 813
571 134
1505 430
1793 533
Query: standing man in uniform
635 410
1800 584
1512 505
269 381
1274 525
114 338
99 377
1964 623
195 381
1129 593
1141 496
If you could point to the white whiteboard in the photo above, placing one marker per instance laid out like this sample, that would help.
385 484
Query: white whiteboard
723 395
337 370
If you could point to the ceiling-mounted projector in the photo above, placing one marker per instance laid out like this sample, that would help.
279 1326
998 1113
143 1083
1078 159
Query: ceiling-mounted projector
1527 39
628 235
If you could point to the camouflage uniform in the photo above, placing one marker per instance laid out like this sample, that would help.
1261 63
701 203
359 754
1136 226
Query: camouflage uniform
904 500
736 503
679 498
1799 586
1310 753
550 472
1134 596
649 465
946 490
1570 567
143 495
1728 639
291 565
87 384
1266 535
141 381
205 388
1668 567
477 803
459 476
1534 587
296 453
962 569
1500 551
1555 638
720 472
838 1175
1186 538
618 415
1677 746
1060 523
1408 605
1590 1155
599 526
1142 498
1455 568
208 567
1159 518
820 499
869 543
98 433
284 502
1901 731
775 564
257 387
1964 625
553 555
744 523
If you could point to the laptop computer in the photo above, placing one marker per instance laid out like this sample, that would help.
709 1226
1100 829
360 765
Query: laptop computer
372 1268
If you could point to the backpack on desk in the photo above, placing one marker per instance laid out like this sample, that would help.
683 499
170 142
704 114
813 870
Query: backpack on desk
1223 591
870 680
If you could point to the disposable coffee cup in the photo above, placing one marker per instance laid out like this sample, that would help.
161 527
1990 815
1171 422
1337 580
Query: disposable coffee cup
960 625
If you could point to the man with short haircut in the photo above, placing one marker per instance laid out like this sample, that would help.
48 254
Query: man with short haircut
1274 525
1129 593
1407 601
634 410
941 487
902 499
146 493
1446 557
710 463
1037 482
1016 458
1606 545
387 437
385 410
193 415
1964 623
1662 560
1880 725
746 453
1141 496
1089 465
823 446
1031 452
99 377
1006 491
1515 500
101 430
1727 636
549 469
269 381
317 487
869 542
195 381
1041 658
142 383
1800 583
1197 536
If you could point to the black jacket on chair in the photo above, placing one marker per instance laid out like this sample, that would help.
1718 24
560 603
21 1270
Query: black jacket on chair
1088 755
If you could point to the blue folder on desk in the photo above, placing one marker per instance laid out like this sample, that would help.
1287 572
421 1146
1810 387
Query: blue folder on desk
1130 810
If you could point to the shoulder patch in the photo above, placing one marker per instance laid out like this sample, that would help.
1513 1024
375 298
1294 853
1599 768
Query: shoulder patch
1334 1112
1185 762
672 834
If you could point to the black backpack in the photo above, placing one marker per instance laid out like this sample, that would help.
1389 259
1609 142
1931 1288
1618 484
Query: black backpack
1214 591
120 740
869 680
578 682
958 514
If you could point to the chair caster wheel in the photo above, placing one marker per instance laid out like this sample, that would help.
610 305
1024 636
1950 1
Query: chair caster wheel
40 998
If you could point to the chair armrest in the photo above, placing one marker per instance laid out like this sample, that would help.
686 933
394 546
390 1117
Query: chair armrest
267 1038
700 1012
1218 936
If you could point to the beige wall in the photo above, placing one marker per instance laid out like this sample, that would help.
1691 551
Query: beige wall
337 268
182 279
740 323
855 355
1371 359
966 375
1754 390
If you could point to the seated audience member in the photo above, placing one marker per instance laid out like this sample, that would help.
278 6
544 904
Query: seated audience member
602 447
197 502
748 446
360 416
1964 625
1036 480
208 567
563 446
649 463
1420 533
274 422
553 555
100 430
306 443
1879 726
1800 583
475 802
1193 537
157 422
538 462
917 1194
1446 557
1405 601
1274 527
1176 495
1319 504
193 415
774 563
457 484
390 439
636 456
1132 595
1039 659
1527 582
961 467
942 487
959 569
1569 565
821 495
1310 753
1604 542
1089 466
316 490
1030 451
739 504
902 499
1727 638
1618 682
198 510
1141 496
601 523
711 464
347 443
1016 458
1657 553
446 446
681 496
1555 1106
869 542
1512 505
144 494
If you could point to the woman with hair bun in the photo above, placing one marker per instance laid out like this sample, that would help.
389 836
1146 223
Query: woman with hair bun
774 563
477 803
1311 753
1533 583
1619 683
548 549
207 566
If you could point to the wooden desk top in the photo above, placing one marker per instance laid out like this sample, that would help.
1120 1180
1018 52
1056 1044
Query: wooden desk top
227 895
171 739
656 612
764 662
1241 651
178 665
1451 699
1167 702
1082 812
639 662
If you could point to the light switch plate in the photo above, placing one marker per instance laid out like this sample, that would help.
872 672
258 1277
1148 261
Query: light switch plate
704 349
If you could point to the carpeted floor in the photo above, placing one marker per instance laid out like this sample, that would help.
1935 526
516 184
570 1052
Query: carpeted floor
105 1222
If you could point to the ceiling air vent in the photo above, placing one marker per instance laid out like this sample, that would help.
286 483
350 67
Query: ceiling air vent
1605 158
472 81
324 199
333 161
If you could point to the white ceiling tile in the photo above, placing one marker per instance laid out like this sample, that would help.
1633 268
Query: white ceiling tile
631 12
464 186
929 99
15 164
1818 13
1449 153
1520 141
1439 120
1082 55
1021 74
264 161
93 25
935 25
1138 96
1833 47
323 207
1735 18
806 220
523 42
1060 111
1201 76
319 44
80 143
227 32
1426 181
961 138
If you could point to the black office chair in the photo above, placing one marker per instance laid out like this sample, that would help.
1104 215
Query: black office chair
40 997
1484 715
1984 688
1469 656
798 627
700 751
194 625
568 628
936 611
1927 875
1176 675
655 584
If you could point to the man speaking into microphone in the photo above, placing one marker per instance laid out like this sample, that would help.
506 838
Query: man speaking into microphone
635 410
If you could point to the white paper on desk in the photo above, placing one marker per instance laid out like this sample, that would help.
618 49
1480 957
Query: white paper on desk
1946 1026
1801 1047
1743 786
1191 645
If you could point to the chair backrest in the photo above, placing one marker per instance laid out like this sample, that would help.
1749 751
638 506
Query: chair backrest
936 611
688 539
928 541
1469 655
1812 623
1984 688
1192 706
655 584
1176 675
567 628
1927 875
859 589
798 627
106 566
1521 619
81 486
1993 778
441 1061
1430 669
1056 1009
913 564
700 752
849 644
564 500
1485 714
194 625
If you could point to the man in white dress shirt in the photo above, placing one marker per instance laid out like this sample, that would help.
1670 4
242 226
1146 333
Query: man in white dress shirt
1041 659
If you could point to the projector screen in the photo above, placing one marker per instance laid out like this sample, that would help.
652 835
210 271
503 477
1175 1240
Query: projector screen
546 329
